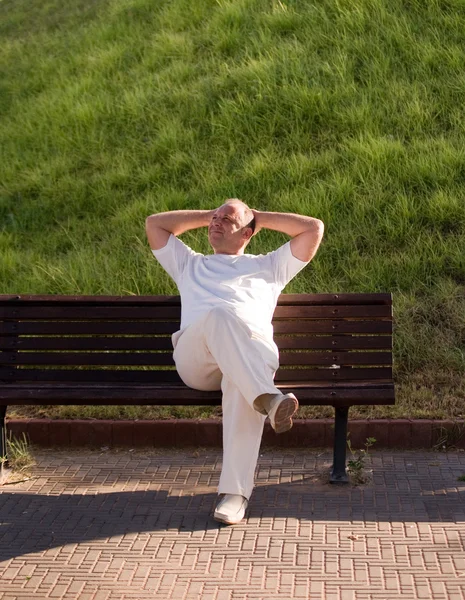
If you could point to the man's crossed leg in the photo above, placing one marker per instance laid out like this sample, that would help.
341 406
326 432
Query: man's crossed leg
221 352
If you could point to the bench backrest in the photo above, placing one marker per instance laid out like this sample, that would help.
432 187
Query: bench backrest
321 337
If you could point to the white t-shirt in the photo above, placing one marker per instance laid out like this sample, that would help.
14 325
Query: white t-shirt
248 284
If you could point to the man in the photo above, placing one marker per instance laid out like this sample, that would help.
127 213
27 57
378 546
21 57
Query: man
226 337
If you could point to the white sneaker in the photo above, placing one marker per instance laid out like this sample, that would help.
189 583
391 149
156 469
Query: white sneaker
282 407
230 509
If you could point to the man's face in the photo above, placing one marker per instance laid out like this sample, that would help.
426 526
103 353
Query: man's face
227 233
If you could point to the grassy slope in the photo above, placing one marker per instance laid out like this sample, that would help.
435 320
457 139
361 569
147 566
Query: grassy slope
351 111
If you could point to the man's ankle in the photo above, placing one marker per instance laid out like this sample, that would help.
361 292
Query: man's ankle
262 403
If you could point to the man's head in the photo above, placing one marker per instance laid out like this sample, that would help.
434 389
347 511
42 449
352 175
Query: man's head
231 227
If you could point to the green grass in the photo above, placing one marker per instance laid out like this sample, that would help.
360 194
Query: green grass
20 458
351 111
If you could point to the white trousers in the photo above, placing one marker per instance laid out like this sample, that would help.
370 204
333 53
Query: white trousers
220 352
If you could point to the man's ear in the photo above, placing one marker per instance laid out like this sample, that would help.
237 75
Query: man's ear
247 233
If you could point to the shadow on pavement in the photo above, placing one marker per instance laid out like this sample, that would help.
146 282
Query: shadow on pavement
32 522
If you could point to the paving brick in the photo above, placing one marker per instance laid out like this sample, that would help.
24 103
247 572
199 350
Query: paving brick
58 591
33 582
75 588
101 595
10 573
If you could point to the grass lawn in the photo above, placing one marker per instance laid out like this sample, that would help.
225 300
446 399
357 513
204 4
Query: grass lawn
350 111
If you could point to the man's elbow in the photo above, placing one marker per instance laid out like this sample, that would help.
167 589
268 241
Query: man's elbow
317 229
305 245
156 235
149 225
150 221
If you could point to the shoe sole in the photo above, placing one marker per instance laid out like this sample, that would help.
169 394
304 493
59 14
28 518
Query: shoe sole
283 417
223 519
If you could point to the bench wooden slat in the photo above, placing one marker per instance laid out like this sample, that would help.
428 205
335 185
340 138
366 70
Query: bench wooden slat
370 374
78 376
294 299
335 299
86 358
87 343
340 343
154 375
15 328
166 358
331 327
335 358
69 300
332 312
343 342
111 312
315 394
104 313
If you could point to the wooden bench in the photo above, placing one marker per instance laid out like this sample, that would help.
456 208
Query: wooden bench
335 349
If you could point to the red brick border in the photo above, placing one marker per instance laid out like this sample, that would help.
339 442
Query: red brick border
309 433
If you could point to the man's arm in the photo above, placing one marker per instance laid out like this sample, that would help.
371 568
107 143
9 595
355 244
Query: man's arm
306 232
160 226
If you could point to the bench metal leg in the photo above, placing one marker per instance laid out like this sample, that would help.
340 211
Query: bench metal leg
2 434
338 472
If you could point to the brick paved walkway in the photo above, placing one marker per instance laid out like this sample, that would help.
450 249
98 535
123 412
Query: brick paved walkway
134 525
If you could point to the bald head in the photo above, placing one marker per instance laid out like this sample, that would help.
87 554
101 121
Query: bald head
245 213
